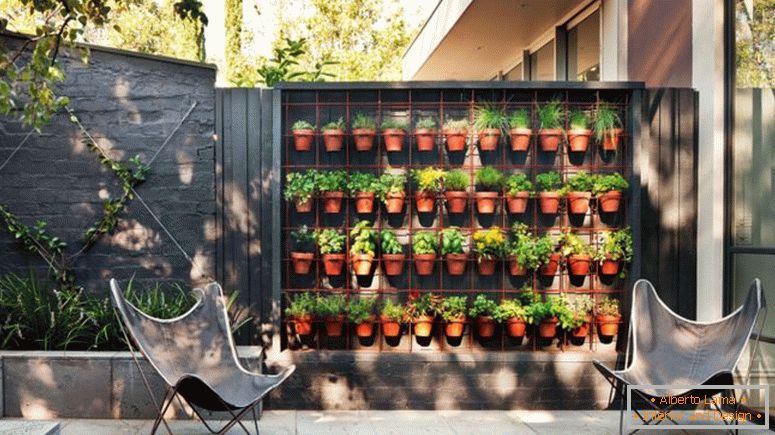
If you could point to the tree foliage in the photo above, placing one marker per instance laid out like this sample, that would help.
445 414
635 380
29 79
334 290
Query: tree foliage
755 44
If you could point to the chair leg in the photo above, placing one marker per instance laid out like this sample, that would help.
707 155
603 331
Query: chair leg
165 403
255 420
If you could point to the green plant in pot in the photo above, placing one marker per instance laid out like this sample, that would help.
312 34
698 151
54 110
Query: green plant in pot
428 183
577 253
363 247
393 133
608 127
333 135
303 254
517 188
489 182
513 314
550 117
579 131
303 133
549 188
608 189
423 310
521 250
453 250
489 246
425 134
456 134
581 307
519 130
455 190
614 249
331 185
425 245
489 122
392 192
331 246
608 318
364 129
360 312
332 309
483 309
392 315
301 311
545 251
363 186
299 188
578 191
453 311
392 253
547 315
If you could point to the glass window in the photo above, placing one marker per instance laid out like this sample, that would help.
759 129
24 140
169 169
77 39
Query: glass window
514 73
584 49
542 63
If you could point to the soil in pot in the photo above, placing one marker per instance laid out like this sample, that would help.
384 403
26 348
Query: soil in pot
303 325
394 203
390 328
516 269
515 327
333 140
578 140
362 264
517 203
304 206
578 265
364 202
334 326
364 138
578 202
520 139
611 140
302 139
332 202
548 327
486 266
488 139
456 201
425 202
426 139
550 139
609 202
333 264
485 202
608 326
456 263
302 262
485 326
549 202
393 264
456 140
394 139
423 263
550 268
454 328
609 267
365 329
423 326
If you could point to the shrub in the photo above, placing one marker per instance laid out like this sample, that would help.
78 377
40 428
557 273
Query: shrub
304 239
425 242
571 244
606 120
393 311
391 183
548 181
490 243
616 245
429 179
516 183
489 116
489 178
364 239
453 308
579 120
361 120
362 182
334 125
393 124
302 304
580 182
482 306
330 241
427 304
508 309
389 243
452 241
456 180
550 115
302 124
359 310
609 182
519 119
425 123
456 125
300 186
608 306
331 181
330 306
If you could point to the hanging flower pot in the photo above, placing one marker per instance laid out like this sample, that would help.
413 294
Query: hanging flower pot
550 139
549 202
426 139
517 203
515 327
520 139
578 264
333 140
302 139
516 269
333 264
454 327
488 139
609 201
304 206
485 326
390 328
362 264
364 202
611 139
423 325
394 202
550 268
302 261
334 325
456 139
607 326
582 330
456 201
393 264
578 139
365 329
486 266
394 139
303 324
609 267
364 138
425 201
578 202
456 263
423 263
332 202
548 327
486 202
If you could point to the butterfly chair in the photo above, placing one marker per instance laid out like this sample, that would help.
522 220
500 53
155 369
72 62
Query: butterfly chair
668 349
195 356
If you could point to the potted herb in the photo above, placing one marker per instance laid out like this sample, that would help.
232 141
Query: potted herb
303 255
424 247
513 314
577 253
521 251
489 246
548 314
453 311
364 129
608 317
549 186
362 247
333 135
615 249
517 187
391 316
455 186
488 183
393 132
578 190
488 123
581 308
392 192
456 134
331 246
608 127
332 184
299 188
520 132
360 312
363 186
608 190
546 254
579 131
483 309
452 248
425 134
423 309
300 311
332 309
428 182
392 253
550 117
303 132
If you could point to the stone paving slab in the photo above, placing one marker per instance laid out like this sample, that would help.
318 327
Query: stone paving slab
28 427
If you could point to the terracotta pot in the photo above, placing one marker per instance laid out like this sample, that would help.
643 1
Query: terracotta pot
302 261
425 202
426 139
454 328
578 140
423 263
364 202
578 202
394 203
333 140
607 326
549 202
362 264
550 139
520 139
581 331
488 139
423 326
578 265
333 264
486 202
394 139
393 264
456 201
515 268
550 268
456 140
390 328
303 324
366 328
302 139
486 266
610 267
332 202
485 326
515 327
334 325
304 207
611 141
364 138
548 327
517 203
456 263
609 201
